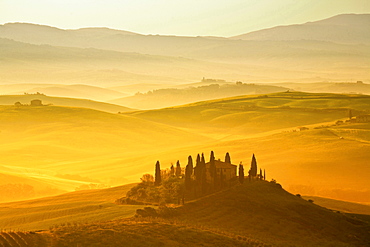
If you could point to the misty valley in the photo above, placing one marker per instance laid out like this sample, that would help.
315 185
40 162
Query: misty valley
115 138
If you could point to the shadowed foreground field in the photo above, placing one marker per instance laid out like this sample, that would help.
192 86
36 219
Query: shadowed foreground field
253 214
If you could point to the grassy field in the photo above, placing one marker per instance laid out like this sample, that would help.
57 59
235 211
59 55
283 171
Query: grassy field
65 147
81 206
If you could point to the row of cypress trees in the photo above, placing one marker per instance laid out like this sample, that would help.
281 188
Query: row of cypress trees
195 178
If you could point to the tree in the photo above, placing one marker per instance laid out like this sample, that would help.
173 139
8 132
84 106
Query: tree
227 158
178 169
264 174
261 176
147 179
212 169
188 173
158 177
350 114
203 174
172 171
241 173
253 170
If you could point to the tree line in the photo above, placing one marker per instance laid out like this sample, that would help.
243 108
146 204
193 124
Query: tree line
175 184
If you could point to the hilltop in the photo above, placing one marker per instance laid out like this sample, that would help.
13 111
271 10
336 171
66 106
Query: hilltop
266 212
252 214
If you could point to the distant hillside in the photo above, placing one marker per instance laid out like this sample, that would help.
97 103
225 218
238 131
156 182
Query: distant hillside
57 101
70 91
172 96
330 87
312 55
342 206
347 28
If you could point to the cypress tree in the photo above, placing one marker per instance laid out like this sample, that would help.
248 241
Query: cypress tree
203 174
197 169
241 173
253 167
172 170
212 170
261 176
188 173
178 169
264 174
227 158
212 166
158 177
190 163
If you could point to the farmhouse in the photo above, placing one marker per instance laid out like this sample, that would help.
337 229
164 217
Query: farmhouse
363 119
36 102
228 170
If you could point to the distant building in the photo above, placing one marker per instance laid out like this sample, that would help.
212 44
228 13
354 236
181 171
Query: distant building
228 170
36 102
363 119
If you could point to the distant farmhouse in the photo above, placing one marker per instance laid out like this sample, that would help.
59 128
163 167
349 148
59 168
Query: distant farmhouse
227 170
363 119
36 102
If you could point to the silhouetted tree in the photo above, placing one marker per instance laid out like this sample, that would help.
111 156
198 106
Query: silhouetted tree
172 170
241 173
212 170
188 173
197 170
158 177
190 163
227 158
178 169
253 170
203 174
264 174
261 176
350 114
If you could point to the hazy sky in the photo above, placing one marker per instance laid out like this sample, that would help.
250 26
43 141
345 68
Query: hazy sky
176 17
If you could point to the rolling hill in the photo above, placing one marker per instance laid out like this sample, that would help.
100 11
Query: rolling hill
59 101
253 214
51 145
346 28
80 206
168 97
267 125
110 58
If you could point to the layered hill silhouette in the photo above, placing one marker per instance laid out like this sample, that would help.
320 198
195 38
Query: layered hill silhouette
347 28
161 98
307 52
